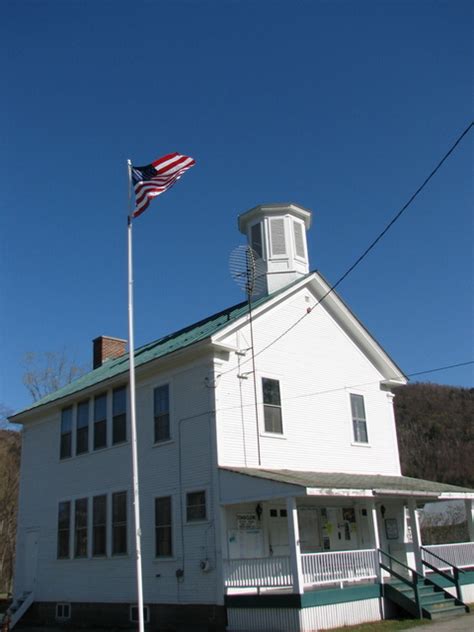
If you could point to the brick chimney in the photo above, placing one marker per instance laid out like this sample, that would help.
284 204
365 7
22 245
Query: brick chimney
106 348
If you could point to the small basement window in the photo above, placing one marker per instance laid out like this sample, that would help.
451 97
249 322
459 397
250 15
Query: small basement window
134 614
63 611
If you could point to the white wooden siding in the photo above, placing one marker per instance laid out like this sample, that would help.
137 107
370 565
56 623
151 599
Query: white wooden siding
46 480
318 366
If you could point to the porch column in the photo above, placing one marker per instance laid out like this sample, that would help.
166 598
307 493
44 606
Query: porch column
416 534
373 523
469 504
294 544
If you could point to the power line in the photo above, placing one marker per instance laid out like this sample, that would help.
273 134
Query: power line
441 368
369 248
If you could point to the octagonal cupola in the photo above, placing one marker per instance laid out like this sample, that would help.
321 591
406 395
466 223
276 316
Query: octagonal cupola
277 234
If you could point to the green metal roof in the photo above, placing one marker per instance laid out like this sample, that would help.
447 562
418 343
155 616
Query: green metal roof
379 484
157 349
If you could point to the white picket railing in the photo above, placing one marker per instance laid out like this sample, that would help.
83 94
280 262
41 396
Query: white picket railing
460 554
325 568
318 568
258 572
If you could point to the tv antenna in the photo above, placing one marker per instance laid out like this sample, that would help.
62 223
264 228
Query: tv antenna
246 268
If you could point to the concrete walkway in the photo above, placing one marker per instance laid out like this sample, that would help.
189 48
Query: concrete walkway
462 623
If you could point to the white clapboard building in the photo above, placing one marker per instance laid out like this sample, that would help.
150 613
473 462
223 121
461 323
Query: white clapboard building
270 499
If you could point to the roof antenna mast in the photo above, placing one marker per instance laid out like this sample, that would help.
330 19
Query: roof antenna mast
245 270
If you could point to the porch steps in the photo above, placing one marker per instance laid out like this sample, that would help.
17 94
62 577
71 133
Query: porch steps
436 603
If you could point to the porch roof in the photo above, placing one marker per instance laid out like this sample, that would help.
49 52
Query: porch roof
299 483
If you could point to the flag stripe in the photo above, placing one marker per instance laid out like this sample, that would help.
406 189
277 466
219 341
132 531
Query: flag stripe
152 180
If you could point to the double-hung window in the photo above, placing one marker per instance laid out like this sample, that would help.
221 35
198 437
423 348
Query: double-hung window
64 529
272 406
196 506
100 421
65 450
163 527
162 413
99 525
82 427
359 421
119 523
119 415
80 528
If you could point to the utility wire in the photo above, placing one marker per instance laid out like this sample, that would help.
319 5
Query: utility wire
368 249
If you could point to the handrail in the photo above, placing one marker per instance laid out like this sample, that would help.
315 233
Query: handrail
454 579
413 583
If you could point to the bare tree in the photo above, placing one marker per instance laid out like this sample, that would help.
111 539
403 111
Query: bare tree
10 447
47 372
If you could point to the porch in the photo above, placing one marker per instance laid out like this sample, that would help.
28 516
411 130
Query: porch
293 540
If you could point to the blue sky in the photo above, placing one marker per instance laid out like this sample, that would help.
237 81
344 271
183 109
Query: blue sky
342 107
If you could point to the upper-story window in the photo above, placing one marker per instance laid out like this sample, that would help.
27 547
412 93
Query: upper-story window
65 449
100 421
162 413
359 421
119 415
196 506
272 406
82 427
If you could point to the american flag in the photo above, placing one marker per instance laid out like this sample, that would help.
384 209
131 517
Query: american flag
154 179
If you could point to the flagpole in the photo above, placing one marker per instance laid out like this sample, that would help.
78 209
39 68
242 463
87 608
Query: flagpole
133 420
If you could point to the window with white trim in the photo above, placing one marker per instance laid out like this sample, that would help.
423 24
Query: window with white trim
80 527
100 421
99 525
256 239
277 236
196 506
65 449
161 404
163 527
119 523
64 530
359 421
63 611
272 406
119 415
82 427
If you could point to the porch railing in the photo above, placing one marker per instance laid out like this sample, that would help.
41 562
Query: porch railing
318 568
258 572
326 568
460 555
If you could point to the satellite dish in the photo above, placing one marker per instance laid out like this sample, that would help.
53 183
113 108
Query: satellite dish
246 268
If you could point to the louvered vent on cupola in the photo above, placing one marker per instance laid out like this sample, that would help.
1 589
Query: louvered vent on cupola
277 233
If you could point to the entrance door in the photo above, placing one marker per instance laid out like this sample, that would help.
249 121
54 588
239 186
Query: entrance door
310 536
30 559
278 532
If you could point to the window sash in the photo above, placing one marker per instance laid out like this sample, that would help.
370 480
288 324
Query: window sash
100 421
119 415
119 523
99 525
272 414
65 449
359 421
64 529
161 413
196 506
163 527
80 528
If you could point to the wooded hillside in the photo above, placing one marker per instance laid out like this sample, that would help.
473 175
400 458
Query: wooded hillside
435 426
10 446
